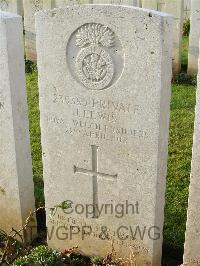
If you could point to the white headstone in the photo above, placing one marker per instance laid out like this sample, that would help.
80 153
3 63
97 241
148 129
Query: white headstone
192 239
16 180
105 126
194 37
175 8
14 6
30 8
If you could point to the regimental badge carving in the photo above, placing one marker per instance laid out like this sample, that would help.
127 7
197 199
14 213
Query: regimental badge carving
94 65
97 51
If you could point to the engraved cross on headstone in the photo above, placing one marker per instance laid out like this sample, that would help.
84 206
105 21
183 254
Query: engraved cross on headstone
95 174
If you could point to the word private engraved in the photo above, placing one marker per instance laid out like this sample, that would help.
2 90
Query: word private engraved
98 58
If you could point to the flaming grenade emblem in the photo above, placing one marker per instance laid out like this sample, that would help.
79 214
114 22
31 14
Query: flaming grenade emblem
94 65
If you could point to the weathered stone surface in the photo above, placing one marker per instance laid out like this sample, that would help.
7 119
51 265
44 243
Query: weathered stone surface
117 2
63 3
194 37
14 6
16 180
192 240
104 86
175 8
30 8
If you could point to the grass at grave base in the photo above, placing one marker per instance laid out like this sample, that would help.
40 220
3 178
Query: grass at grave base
180 145
179 161
34 126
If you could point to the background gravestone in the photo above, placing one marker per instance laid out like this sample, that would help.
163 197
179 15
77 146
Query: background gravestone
187 6
192 239
194 37
30 8
63 3
117 2
150 4
104 126
14 6
16 180
176 8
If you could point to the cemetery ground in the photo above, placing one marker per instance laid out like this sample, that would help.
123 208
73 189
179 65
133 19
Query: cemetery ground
179 161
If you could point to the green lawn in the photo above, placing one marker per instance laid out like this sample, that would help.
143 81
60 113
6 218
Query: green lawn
180 145
34 125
